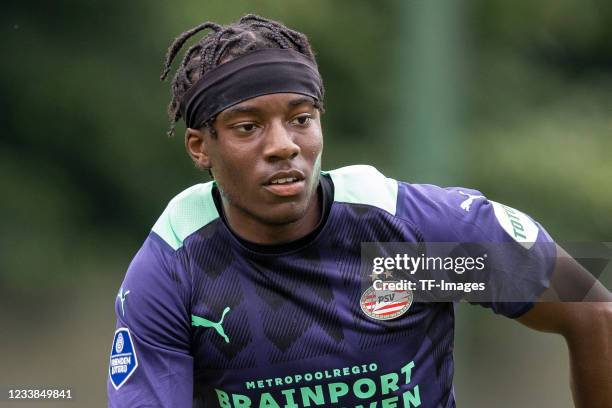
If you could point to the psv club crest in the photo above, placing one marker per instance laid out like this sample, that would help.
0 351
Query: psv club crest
385 304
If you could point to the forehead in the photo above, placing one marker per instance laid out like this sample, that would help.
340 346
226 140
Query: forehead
269 103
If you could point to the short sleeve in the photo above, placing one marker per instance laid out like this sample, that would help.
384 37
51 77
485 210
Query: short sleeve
520 254
150 363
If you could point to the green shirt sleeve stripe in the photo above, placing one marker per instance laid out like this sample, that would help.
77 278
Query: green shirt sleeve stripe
361 184
186 213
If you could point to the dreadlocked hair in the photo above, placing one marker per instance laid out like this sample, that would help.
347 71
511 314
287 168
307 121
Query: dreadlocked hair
224 44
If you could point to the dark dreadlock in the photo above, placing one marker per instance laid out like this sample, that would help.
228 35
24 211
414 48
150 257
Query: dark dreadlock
223 44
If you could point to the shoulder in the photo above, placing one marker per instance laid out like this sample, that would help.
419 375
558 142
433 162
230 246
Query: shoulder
440 213
428 200
465 214
365 185
186 213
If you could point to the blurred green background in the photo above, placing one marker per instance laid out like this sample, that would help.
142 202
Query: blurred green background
511 98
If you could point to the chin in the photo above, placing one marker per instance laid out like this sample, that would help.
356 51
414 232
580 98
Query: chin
283 216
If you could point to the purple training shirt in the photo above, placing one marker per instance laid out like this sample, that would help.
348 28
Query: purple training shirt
205 319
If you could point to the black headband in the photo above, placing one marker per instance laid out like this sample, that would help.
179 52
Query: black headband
262 72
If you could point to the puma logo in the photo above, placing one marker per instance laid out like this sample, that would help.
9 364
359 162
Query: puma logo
121 297
200 321
470 199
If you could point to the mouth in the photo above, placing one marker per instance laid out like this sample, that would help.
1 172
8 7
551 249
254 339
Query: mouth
286 183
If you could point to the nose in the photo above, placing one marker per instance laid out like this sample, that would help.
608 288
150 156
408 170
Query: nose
279 143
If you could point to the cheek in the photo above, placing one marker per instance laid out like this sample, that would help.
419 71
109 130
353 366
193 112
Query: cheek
314 148
315 155
226 156
232 166
230 180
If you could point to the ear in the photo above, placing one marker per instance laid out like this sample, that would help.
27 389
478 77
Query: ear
196 144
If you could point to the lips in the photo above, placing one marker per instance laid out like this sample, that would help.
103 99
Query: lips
283 177
286 183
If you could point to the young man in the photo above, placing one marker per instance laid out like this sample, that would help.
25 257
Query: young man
249 290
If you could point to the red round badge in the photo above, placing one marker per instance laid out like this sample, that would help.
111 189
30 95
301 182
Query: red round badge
385 304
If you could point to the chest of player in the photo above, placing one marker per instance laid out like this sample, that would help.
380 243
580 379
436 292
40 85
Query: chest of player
267 317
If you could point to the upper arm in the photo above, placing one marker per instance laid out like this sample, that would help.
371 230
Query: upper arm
519 253
574 302
151 363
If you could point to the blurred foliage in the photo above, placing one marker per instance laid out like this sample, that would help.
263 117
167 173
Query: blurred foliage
85 166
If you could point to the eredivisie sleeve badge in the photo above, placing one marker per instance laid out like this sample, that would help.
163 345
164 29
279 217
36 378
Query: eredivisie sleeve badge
123 360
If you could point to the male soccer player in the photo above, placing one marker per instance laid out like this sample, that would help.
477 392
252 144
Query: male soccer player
248 292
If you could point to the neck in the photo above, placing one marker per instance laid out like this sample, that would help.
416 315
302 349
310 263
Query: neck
261 232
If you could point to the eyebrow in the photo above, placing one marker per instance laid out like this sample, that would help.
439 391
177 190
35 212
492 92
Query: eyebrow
301 100
235 110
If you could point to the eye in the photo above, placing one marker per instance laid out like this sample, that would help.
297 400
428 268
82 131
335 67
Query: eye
302 120
246 127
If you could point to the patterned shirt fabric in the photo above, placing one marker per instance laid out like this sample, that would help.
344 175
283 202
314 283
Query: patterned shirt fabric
206 319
